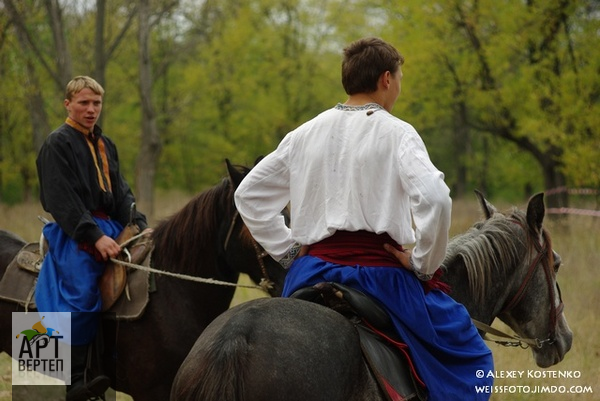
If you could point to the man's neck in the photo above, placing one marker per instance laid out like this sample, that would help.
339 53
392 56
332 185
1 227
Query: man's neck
360 99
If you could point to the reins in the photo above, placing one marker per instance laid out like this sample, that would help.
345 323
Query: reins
265 283
184 276
513 340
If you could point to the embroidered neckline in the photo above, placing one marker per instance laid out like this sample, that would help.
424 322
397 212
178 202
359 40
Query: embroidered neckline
368 106
69 121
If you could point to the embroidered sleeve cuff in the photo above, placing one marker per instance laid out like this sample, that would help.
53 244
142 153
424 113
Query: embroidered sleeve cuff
420 276
288 259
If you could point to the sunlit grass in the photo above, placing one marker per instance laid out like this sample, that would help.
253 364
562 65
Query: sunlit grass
576 238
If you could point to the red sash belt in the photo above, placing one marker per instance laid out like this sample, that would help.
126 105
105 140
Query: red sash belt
365 248
356 248
91 248
101 214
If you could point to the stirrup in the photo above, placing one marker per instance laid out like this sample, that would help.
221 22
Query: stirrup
92 391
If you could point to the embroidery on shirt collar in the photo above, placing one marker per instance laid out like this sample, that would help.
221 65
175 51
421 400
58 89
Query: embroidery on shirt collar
77 126
368 106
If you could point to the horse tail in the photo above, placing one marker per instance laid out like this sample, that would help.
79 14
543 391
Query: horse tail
213 372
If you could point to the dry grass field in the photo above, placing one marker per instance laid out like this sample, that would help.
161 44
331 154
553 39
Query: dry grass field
576 238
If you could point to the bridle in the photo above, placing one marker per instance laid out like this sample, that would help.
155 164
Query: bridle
542 258
261 254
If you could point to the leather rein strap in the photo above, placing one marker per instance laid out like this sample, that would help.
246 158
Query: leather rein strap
265 281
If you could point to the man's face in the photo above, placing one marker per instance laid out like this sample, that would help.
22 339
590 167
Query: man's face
84 108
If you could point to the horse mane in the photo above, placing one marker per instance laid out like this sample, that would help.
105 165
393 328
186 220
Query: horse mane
187 238
490 245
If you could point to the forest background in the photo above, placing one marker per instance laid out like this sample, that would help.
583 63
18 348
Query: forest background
505 93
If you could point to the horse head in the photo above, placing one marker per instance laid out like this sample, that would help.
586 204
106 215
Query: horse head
207 238
532 304
238 243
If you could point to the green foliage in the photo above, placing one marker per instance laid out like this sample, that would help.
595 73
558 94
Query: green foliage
246 86
524 71
232 78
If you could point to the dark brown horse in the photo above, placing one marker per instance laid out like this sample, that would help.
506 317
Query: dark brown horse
287 349
206 238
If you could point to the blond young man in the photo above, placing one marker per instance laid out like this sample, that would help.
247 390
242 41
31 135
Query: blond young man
81 186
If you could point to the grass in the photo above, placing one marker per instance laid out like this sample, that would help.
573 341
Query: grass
576 238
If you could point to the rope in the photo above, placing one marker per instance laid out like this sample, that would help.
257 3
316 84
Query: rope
185 276
135 237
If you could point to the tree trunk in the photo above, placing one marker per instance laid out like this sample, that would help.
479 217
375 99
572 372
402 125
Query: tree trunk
64 68
504 125
35 99
462 148
554 179
99 57
150 146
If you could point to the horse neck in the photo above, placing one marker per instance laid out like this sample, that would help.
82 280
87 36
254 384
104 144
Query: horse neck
482 270
196 303
188 241
189 244
456 276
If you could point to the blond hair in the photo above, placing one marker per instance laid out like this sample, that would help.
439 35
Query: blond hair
81 82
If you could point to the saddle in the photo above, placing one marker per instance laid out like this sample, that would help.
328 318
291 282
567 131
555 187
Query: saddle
20 279
114 279
385 354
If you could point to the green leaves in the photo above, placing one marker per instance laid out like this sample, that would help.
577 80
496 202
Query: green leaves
505 93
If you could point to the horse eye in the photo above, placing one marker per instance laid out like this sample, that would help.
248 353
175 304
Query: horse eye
557 261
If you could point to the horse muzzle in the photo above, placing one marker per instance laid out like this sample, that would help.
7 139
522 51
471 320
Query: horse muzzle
553 352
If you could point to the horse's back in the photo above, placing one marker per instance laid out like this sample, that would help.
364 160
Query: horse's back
10 244
275 349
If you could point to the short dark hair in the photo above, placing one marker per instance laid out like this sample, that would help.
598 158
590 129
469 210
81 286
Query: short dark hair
364 62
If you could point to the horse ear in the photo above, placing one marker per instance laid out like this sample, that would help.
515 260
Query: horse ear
536 212
235 175
486 206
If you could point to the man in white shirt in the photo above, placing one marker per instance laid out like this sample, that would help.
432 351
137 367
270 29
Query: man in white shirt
357 178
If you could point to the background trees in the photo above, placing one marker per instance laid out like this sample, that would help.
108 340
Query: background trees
518 88
505 93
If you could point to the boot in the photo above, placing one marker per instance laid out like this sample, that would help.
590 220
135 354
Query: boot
83 388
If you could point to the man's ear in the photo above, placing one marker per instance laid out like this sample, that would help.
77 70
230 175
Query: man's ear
385 79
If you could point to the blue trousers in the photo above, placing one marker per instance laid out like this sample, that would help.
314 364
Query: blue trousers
445 347
68 281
